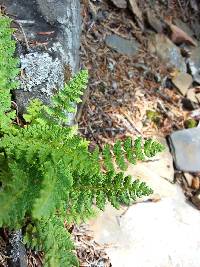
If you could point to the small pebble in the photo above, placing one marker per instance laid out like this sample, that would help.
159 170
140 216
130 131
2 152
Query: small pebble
195 183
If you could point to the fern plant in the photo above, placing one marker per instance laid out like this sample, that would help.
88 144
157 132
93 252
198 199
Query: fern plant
47 174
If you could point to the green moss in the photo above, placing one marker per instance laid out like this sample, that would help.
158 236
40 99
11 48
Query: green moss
190 123
153 116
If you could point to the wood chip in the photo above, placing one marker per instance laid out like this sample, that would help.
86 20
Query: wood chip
178 36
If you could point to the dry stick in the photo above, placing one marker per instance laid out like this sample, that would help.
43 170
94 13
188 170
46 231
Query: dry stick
79 113
23 32
131 123
17 111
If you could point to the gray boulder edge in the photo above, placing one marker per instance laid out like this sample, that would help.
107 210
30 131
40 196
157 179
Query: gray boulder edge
185 148
44 61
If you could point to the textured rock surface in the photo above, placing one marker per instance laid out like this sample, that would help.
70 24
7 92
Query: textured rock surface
121 45
185 147
168 52
194 64
16 250
52 29
182 81
161 234
154 22
41 70
66 15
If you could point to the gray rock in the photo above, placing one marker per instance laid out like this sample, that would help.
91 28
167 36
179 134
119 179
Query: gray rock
196 27
16 250
42 75
157 173
55 11
41 70
185 147
122 45
66 15
154 21
52 30
168 52
194 64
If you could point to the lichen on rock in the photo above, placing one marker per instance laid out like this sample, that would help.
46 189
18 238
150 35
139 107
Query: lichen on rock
41 72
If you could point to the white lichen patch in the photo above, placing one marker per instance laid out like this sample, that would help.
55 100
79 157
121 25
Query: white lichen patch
41 72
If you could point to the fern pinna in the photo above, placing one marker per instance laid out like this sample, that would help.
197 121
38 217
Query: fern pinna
48 176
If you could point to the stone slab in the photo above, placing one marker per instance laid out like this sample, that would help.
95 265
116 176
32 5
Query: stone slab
148 234
185 147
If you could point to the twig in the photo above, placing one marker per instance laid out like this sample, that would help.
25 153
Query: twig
25 39
131 123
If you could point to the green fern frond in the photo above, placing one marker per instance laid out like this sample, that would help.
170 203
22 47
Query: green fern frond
57 181
119 155
64 101
61 104
34 112
8 72
107 157
48 176
44 235
151 148
16 197
129 151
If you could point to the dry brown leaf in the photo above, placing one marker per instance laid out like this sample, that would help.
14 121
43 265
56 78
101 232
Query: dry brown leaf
178 36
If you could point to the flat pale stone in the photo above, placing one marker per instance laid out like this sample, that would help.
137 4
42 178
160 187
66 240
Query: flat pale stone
192 96
160 186
161 234
189 177
106 227
182 81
